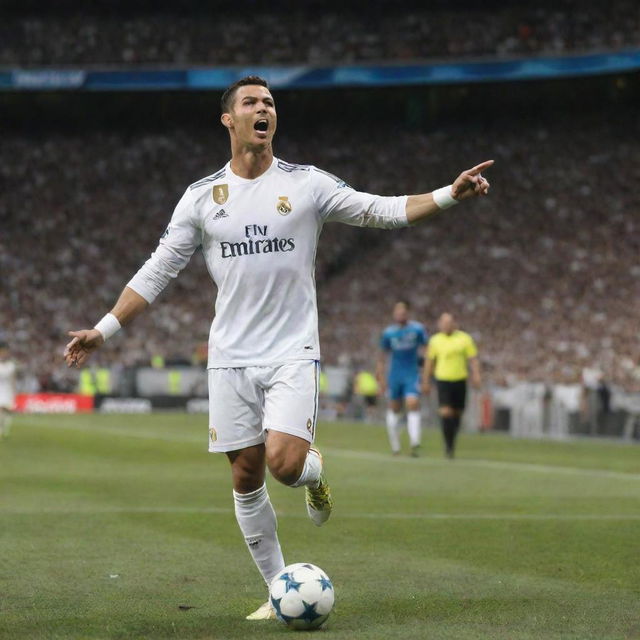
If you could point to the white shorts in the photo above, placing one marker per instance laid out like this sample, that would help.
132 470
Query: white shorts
245 402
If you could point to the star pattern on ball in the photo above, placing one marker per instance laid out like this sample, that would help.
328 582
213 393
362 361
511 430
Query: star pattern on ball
309 614
325 583
275 603
289 583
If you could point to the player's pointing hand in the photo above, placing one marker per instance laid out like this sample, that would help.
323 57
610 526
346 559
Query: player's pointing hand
84 342
471 183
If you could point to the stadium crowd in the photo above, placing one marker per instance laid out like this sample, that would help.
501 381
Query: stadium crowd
215 34
545 273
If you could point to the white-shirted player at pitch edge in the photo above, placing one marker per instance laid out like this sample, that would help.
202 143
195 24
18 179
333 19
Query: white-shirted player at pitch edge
258 220
7 389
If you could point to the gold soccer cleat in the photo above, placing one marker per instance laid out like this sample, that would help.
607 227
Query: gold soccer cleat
264 612
319 500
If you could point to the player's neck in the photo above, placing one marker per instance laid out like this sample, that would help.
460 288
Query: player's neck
251 163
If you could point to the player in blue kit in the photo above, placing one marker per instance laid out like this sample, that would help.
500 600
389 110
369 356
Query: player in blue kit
405 340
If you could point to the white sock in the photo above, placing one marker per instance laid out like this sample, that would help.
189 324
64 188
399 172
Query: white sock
310 476
258 524
392 430
414 428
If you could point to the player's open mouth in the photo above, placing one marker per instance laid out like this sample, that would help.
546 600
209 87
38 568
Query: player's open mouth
261 125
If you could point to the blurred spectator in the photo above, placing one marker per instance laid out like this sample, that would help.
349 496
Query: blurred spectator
339 34
365 394
544 273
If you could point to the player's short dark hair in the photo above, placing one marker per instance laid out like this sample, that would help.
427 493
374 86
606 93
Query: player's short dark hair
226 102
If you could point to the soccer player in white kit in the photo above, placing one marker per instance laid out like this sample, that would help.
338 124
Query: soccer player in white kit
258 220
7 389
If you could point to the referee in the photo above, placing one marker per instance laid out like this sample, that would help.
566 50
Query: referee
450 355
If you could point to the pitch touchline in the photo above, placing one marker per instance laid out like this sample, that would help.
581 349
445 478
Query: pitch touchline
376 457
342 516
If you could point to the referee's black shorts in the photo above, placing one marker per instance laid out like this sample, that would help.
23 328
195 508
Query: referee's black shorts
452 394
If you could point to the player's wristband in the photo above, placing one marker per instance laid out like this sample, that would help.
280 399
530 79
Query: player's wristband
443 198
108 326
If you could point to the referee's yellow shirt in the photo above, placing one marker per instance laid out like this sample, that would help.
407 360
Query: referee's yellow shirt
451 353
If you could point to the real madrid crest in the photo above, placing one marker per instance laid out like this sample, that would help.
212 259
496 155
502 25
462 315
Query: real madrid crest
284 206
213 436
220 193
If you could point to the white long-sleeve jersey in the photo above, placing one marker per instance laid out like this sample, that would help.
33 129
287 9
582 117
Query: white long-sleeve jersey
259 240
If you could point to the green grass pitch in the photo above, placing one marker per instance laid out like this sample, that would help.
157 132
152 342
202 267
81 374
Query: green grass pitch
122 527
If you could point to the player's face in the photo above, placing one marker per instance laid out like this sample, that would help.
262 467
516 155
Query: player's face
253 118
400 313
446 324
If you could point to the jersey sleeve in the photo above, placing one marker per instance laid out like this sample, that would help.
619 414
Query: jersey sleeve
385 342
177 244
471 350
338 202
422 335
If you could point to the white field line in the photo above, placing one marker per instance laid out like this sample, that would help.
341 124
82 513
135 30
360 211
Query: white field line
127 433
483 464
582 517
370 455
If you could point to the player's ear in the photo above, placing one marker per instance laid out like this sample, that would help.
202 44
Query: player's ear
227 120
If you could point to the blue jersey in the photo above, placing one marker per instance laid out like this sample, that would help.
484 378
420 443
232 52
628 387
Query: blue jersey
403 342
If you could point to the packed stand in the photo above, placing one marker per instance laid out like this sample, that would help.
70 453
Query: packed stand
544 273
211 35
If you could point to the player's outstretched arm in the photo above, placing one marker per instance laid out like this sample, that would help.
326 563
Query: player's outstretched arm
129 305
469 184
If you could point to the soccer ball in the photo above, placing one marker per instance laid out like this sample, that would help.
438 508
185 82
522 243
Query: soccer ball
302 596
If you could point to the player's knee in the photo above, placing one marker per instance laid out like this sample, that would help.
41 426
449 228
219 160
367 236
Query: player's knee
247 471
446 412
412 403
246 481
285 464
285 469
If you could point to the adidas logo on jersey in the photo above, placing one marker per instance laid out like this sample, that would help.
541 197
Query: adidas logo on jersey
221 214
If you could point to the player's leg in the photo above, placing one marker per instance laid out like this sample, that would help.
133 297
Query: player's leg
414 426
393 426
291 460
290 416
412 405
254 513
447 420
395 393
235 406
447 413
458 403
